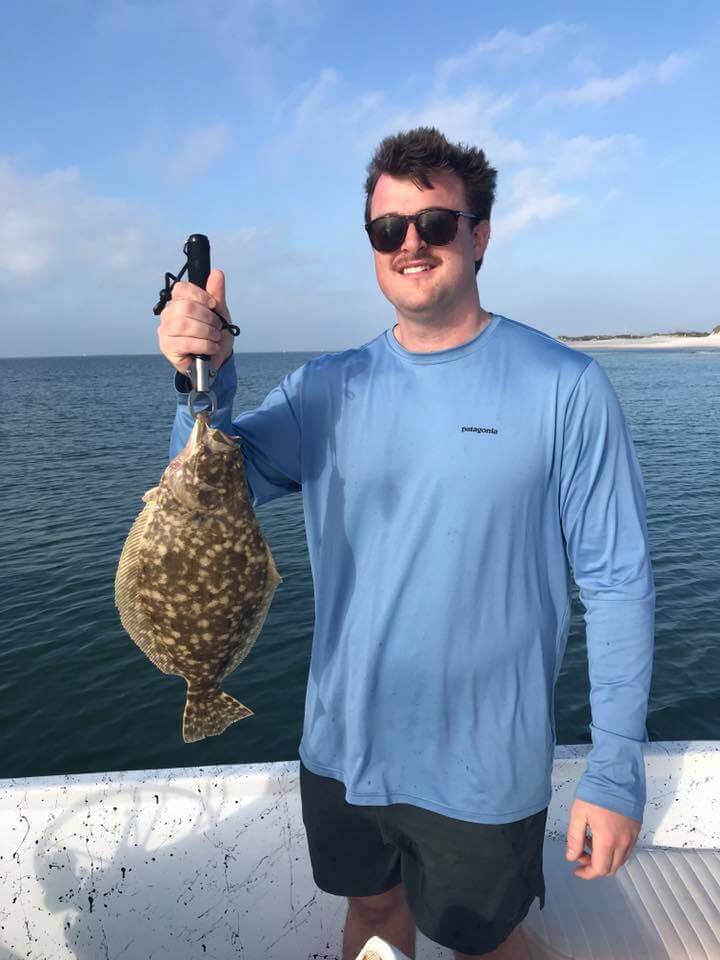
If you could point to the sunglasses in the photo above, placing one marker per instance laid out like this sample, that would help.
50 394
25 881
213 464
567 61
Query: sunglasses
436 226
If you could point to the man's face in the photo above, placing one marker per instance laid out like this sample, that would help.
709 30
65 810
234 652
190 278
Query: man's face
430 295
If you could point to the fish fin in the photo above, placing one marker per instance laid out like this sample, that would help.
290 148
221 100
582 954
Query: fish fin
209 713
272 572
128 601
151 495
251 630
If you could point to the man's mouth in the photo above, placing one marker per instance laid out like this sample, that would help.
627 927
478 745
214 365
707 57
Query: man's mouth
420 268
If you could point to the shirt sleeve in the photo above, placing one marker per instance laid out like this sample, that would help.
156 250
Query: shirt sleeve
602 504
270 435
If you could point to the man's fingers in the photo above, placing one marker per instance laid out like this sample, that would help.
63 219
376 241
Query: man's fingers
197 311
190 291
576 838
176 317
192 323
602 857
620 857
605 866
194 346
600 864
187 327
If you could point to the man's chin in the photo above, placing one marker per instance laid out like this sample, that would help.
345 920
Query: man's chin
427 310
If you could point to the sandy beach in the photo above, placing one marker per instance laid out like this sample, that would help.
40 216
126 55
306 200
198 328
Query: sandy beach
658 341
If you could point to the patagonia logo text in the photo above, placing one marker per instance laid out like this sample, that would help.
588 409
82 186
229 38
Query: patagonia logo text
478 429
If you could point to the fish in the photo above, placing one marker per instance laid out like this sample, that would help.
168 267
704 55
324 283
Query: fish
196 577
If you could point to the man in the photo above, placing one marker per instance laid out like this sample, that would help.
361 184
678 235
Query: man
453 471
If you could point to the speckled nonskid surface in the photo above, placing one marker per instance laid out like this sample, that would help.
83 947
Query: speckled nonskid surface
212 862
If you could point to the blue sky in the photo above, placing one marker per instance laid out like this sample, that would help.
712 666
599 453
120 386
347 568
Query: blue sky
125 126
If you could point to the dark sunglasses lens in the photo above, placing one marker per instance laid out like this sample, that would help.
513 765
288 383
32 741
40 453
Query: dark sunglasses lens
387 233
437 226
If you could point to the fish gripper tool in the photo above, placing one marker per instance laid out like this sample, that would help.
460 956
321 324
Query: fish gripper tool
197 265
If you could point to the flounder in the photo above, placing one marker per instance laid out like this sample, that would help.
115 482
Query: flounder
196 577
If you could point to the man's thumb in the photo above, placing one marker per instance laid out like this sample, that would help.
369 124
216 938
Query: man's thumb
216 286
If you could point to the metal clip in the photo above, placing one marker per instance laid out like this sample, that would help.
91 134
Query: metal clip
201 375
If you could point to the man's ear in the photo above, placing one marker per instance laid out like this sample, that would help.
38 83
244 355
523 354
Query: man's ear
481 237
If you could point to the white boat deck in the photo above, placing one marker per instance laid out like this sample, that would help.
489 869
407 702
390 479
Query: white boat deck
212 863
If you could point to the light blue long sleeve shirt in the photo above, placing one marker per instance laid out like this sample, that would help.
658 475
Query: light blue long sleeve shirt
449 500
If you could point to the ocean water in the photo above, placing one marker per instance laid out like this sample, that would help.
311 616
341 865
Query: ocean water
83 438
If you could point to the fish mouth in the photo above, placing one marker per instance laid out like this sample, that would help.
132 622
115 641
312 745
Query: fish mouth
204 432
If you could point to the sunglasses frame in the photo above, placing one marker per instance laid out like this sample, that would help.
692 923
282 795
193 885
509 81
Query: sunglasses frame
412 218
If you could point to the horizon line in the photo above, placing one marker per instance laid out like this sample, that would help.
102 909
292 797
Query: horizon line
86 356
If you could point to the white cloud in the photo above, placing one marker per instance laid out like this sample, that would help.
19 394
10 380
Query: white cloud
532 210
81 273
470 118
323 111
172 152
107 255
508 46
317 96
530 200
534 177
600 90
674 66
577 156
246 40
232 23
197 149
536 195
325 107
51 223
52 226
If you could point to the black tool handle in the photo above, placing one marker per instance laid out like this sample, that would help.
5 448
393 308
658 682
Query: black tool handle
198 259
197 249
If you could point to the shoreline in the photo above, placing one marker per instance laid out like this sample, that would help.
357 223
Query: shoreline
656 341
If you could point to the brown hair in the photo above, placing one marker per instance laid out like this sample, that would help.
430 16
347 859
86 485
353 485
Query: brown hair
416 153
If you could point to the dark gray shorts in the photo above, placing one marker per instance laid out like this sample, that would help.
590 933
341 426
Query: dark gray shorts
468 885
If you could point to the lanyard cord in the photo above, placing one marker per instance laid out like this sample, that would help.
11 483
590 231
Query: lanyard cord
166 296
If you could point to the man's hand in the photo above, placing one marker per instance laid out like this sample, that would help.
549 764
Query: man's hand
188 327
613 838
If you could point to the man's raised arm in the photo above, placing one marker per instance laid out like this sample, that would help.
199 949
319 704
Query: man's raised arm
270 435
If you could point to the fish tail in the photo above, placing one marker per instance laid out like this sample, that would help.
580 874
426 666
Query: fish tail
209 712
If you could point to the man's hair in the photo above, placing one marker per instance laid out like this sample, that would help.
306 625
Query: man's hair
417 153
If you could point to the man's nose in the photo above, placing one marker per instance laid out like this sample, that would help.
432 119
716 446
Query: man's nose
413 241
